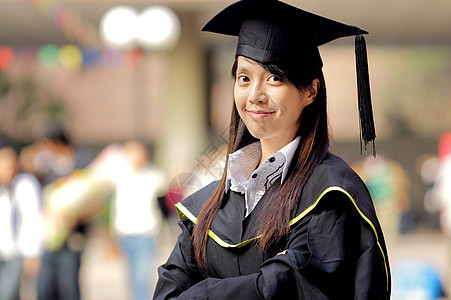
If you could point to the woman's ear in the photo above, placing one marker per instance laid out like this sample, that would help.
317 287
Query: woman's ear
312 91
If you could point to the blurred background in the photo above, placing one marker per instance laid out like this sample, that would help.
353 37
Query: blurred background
75 65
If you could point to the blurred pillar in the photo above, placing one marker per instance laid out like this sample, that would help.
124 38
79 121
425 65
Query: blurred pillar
183 132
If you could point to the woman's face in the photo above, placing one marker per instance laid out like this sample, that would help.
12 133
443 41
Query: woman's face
270 108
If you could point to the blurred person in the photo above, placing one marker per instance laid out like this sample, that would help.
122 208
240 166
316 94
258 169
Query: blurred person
21 226
438 197
137 218
389 186
427 168
54 158
181 176
174 194
288 219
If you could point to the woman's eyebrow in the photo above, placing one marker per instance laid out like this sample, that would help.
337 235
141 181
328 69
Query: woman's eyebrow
242 69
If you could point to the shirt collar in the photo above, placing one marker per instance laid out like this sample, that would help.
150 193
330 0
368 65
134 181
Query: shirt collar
243 162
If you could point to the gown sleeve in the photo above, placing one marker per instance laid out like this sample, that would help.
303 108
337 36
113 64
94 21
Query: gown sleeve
180 271
318 263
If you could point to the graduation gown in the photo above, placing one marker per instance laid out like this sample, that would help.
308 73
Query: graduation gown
334 250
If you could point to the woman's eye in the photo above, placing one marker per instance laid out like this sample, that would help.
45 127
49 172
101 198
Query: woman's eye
274 78
242 79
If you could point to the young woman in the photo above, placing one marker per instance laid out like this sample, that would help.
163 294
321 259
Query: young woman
288 219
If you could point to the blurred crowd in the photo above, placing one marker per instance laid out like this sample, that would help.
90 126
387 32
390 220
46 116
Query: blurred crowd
389 186
53 192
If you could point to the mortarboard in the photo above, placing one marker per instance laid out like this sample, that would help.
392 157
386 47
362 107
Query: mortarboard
270 31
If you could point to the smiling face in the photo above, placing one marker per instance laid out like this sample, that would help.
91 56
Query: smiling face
269 107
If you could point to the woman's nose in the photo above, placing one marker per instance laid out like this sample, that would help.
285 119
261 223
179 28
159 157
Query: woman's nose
257 93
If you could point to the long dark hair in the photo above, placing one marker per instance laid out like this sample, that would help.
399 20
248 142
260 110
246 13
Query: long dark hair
314 142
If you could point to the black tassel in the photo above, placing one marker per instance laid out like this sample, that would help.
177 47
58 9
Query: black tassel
367 130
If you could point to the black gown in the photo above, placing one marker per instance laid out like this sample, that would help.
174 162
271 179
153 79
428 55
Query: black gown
335 248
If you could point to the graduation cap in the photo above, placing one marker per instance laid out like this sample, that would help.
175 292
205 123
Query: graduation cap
273 32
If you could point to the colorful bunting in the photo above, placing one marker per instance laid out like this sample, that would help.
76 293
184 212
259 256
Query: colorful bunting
70 57
48 55
6 58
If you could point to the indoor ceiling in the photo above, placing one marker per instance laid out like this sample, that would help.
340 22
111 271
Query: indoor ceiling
401 22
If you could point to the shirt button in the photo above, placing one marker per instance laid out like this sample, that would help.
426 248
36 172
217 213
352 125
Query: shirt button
272 159
254 175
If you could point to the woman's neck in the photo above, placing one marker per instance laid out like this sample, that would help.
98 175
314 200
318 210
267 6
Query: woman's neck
269 147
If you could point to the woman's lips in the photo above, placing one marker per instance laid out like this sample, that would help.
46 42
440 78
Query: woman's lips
260 113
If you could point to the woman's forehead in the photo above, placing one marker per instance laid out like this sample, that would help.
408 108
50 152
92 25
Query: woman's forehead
244 62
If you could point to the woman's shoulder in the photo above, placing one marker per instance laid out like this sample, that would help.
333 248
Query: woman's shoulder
334 171
196 201
334 177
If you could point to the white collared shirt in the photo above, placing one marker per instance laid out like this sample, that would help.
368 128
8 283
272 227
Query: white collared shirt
21 220
244 177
